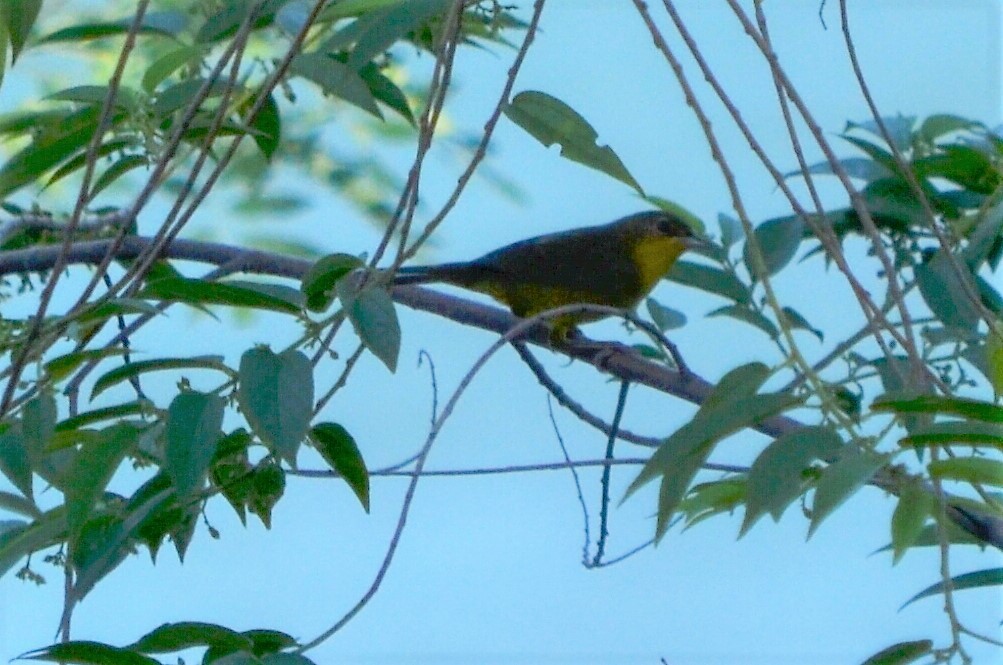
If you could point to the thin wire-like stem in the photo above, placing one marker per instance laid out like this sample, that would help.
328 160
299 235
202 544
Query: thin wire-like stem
621 404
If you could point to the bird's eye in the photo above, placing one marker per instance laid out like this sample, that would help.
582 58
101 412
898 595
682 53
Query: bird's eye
668 226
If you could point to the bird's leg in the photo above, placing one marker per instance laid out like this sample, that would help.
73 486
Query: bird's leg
603 351
677 358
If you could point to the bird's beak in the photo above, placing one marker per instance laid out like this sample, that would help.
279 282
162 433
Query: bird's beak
699 244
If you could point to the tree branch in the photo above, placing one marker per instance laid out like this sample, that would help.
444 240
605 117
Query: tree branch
624 366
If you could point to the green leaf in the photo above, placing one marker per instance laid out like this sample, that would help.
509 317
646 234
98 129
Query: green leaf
48 150
954 433
940 124
88 31
117 169
182 635
994 358
267 126
945 291
169 63
901 653
14 459
550 121
193 427
118 411
855 167
318 282
379 29
336 78
202 292
915 504
276 397
224 21
79 160
708 499
18 17
974 580
778 241
38 427
20 539
88 653
893 205
180 95
742 381
267 641
62 366
955 406
731 230
134 369
747 315
983 237
963 165
680 457
664 317
875 152
841 480
798 322
777 476
374 319
339 449
125 98
268 483
969 469
711 280
348 8
386 91
16 503
93 469
161 513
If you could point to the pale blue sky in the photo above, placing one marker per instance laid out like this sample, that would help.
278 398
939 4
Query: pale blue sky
489 567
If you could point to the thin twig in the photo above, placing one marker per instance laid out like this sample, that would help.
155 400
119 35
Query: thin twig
621 403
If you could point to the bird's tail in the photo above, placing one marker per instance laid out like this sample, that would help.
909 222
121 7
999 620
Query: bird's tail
460 274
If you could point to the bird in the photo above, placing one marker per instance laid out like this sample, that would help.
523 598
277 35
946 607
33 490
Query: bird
615 265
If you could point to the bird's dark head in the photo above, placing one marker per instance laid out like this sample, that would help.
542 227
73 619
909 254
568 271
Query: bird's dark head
661 224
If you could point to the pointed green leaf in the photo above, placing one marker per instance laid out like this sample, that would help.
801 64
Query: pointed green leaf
901 653
182 635
374 319
202 292
915 504
14 460
664 317
134 369
169 63
336 78
975 580
748 315
945 291
710 279
339 449
841 480
798 322
778 241
550 121
88 653
954 433
318 282
18 540
94 467
777 477
18 17
955 406
969 469
193 427
276 397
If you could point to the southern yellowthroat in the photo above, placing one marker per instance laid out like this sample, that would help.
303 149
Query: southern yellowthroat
615 265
